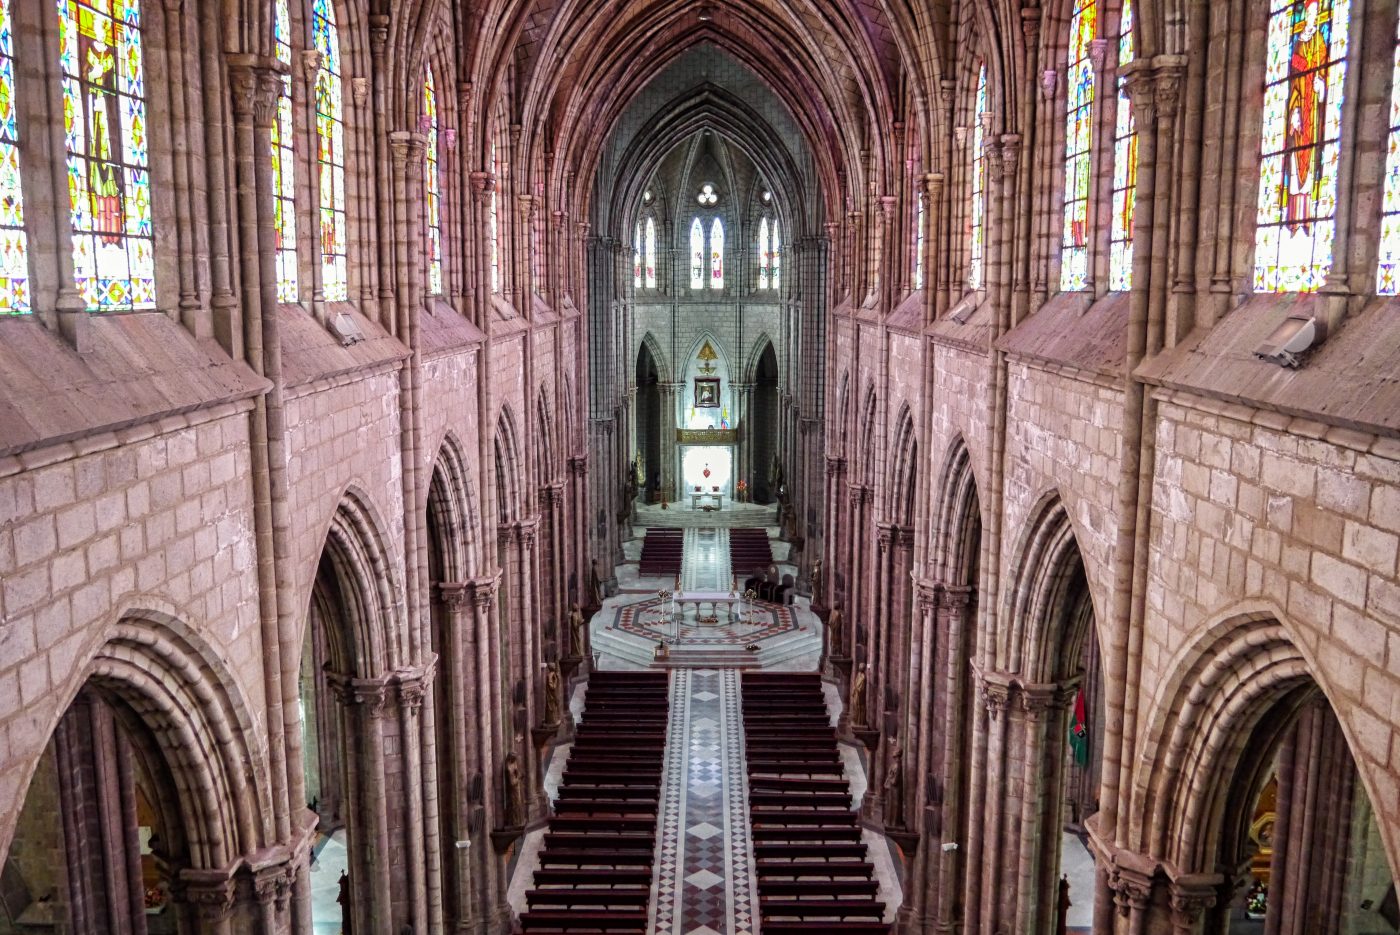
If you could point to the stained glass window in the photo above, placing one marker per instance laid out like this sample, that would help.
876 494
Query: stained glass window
763 254
649 253
977 229
775 256
14 254
493 221
1388 272
284 183
1079 119
1305 66
637 256
717 254
330 155
109 184
433 181
697 255
1125 162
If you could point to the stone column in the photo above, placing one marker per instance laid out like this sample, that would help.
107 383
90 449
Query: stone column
954 622
670 469
491 889
991 893
363 701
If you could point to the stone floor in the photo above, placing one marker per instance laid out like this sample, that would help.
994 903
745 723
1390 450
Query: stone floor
329 861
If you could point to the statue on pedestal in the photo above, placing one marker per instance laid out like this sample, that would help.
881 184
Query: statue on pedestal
833 630
551 694
514 791
858 698
894 786
578 627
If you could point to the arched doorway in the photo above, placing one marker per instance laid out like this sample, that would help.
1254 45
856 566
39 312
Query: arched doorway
1040 657
650 425
354 702
765 423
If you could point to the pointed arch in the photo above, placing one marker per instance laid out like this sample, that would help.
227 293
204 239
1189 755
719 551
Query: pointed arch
544 436
755 355
903 490
453 510
868 434
658 356
197 721
1046 628
957 519
1210 725
509 469
355 571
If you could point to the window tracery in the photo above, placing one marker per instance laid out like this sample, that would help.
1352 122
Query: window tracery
330 156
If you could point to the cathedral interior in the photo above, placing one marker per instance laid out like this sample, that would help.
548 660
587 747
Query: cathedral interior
699 467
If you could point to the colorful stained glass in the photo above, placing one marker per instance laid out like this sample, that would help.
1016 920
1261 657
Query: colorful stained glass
1388 268
493 221
14 252
109 185
433 184
649 253
976 241
330 155
1079 120
1125 164
637 256
717 254
775 257
762 248
1305 68
697 255
284 184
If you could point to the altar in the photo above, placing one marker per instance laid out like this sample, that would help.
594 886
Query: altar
718 499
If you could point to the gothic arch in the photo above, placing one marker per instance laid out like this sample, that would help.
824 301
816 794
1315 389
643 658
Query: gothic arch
1200 727
658 356
1040 640
869 436
452 506
755 355
192 708
957 518
509 469
364 642
904 488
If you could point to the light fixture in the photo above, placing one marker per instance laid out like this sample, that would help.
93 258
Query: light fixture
706 13
964 309
347 329
1297 334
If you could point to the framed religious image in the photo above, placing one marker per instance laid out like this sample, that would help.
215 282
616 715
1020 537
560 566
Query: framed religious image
707 392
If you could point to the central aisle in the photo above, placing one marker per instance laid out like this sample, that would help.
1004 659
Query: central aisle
705 561
705 869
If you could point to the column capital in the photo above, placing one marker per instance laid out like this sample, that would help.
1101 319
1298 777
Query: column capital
578 465
1132 889
483 590
954 597
255 82
211 892
996 692
1190 895
372 694
483 184
455 594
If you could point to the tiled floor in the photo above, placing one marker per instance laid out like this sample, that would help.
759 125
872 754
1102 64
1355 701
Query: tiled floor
705 864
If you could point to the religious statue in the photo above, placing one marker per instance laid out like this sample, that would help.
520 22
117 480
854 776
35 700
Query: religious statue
894 786
833 631
1307 97
551 694
814 577
514 791
347 909
858 698
578 627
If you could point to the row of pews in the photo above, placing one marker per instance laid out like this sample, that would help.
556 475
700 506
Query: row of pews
813 873
661 552
596 867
